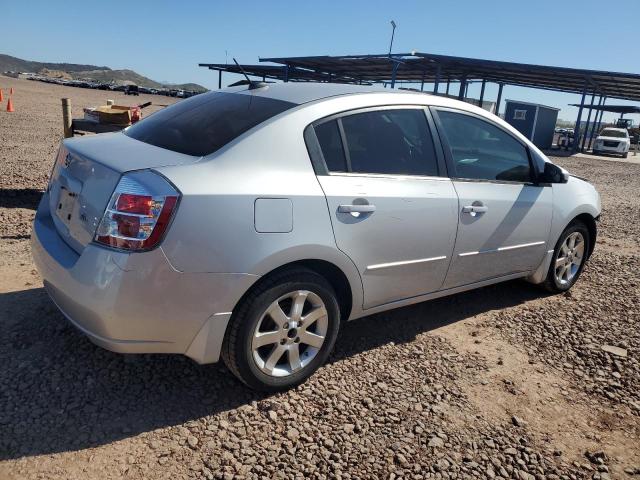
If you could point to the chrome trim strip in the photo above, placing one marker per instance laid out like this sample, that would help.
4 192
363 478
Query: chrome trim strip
380 266
139 215
396 176
502 249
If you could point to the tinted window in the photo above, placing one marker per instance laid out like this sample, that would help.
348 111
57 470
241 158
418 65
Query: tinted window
328 135
390 142
613 133
202 124
483 151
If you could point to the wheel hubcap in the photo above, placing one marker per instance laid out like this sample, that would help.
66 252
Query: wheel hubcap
290 333
569 258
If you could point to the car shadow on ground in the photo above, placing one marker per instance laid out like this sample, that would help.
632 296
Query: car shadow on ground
61 393
20 198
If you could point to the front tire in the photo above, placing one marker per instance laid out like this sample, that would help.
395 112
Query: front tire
282 331
569 258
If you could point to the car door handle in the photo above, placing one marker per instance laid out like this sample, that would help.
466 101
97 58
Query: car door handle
475 209
367 208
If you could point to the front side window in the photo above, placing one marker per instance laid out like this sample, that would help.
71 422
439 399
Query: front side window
394 142
483 151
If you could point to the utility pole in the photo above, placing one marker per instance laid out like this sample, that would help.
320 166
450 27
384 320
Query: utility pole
393 31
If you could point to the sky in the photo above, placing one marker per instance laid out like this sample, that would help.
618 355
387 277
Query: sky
166 40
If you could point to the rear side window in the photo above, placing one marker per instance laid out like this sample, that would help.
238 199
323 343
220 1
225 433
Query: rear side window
483 151
328 134
202 124
395 142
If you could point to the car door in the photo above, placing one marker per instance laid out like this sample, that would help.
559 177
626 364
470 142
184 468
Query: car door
504 215
393 211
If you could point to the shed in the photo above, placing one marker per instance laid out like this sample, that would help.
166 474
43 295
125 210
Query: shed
534 121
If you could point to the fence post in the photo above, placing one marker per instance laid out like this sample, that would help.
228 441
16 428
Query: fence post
66 118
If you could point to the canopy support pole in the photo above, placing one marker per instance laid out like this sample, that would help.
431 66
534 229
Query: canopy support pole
463 87
484 83
586 128
576 129
437 82
593 127
499 99
600 118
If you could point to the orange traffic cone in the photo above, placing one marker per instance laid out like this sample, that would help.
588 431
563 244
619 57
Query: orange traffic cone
9 105
1 95
11 91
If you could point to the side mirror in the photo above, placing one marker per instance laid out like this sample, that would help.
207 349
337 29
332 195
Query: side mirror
553 174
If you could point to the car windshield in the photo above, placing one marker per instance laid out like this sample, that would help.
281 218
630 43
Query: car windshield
608 132
205 123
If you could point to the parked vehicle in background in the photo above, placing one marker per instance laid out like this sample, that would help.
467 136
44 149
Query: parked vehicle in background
613 141
132 90
565 138
180 93
248 223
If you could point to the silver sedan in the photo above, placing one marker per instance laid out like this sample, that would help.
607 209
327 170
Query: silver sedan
248 223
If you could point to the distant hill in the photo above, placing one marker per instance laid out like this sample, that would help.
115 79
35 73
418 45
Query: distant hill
87 72
195 87
124 77
9 63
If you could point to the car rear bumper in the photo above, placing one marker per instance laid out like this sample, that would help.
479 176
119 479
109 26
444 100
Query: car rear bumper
135 303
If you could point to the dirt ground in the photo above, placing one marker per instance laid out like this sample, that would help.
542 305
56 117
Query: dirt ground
502 382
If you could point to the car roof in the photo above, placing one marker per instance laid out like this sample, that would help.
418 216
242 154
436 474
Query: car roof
305 92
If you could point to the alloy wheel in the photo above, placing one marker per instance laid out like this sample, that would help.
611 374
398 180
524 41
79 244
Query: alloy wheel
290 333
569 259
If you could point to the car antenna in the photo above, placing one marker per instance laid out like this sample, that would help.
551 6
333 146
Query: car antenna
252 84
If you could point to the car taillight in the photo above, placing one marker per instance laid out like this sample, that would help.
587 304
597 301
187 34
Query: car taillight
138 212
60 158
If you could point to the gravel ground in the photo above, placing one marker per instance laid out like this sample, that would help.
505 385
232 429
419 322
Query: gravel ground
502 382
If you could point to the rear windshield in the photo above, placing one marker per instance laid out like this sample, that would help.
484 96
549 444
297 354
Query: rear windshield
202 124
613 133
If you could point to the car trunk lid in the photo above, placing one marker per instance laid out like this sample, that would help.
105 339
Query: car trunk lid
85 175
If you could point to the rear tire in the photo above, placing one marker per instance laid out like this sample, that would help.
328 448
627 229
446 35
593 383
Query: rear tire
569 258
282 331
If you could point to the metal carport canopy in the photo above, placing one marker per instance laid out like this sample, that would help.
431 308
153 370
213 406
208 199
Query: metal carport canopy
431 68
275 72
624 109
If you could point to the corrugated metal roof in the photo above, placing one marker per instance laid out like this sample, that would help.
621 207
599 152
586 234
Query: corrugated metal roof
613 108
418 67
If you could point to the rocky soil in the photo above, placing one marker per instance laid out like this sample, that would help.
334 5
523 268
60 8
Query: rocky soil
503 382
